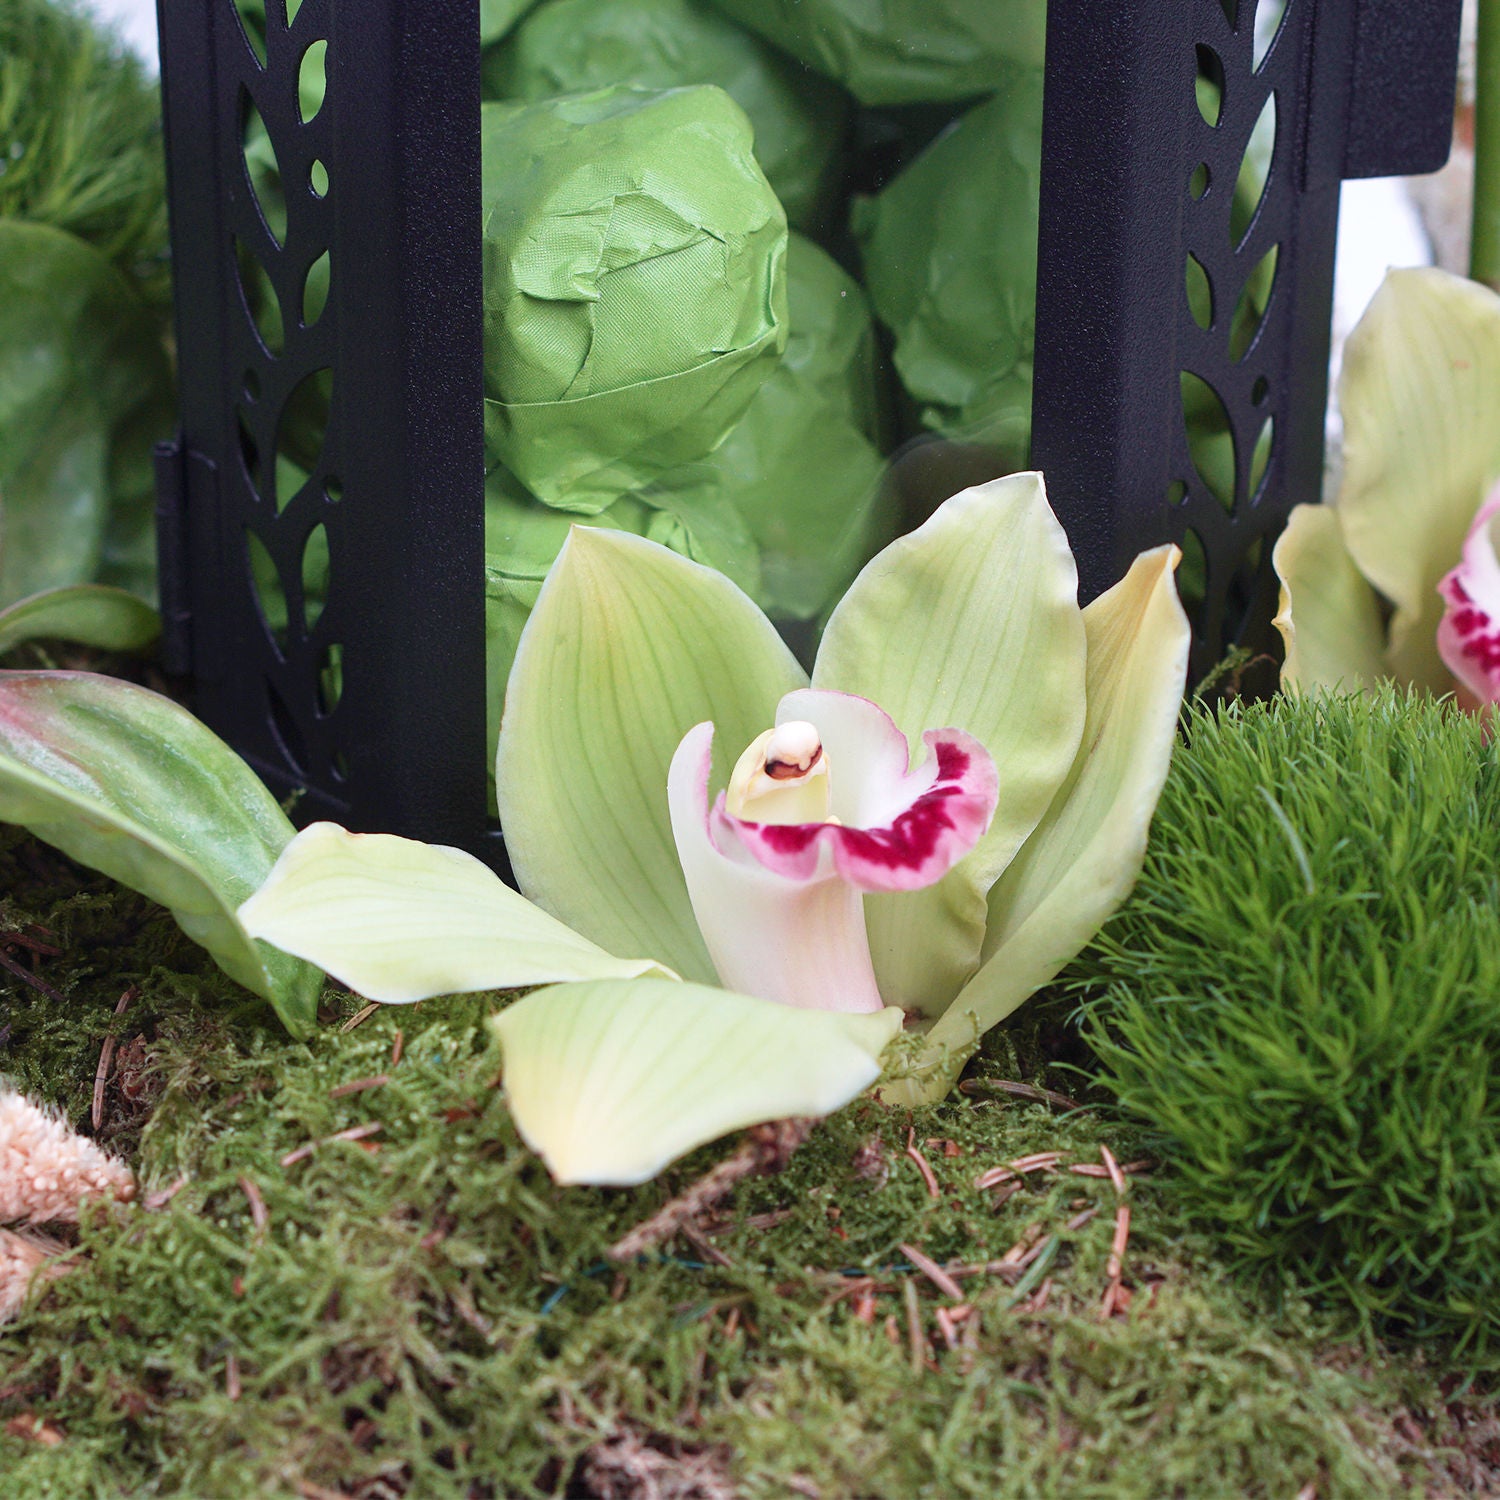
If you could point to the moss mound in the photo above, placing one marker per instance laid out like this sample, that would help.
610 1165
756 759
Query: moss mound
1302 1000
414 1310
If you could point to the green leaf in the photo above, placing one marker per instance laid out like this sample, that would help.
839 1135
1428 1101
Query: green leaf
629 646
1330 616
81 362
1419 393
970 622
89 614
610 1081
399 920
1083 858
126 782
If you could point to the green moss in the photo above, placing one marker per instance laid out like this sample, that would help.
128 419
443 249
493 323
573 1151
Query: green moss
434 1318
1302 999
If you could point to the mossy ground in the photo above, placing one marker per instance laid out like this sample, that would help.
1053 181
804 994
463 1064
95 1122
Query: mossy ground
419 1312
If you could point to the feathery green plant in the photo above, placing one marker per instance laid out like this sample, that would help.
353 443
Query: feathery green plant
80 137
1303 999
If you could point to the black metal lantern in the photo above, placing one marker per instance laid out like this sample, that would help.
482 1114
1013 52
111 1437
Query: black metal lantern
371 699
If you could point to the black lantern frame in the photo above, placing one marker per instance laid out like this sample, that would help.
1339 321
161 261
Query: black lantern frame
1136 189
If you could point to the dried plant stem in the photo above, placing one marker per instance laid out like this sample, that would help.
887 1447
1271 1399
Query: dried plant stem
765 1149
1484 254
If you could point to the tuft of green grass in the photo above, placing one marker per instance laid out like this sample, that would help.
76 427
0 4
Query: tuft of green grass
1302 1001
80 136
420 1312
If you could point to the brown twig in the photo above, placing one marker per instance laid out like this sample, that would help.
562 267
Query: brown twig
1116 1177
765 1149
106 1059
164 1196
933 1272
13 939
1039 1161
1019 1091
396 1046
359 1017
928 1175
34 980
353 1133
1093 1169
1116 1265
258 1215
359 1085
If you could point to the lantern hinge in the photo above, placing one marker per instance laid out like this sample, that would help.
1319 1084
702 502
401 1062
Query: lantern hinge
175 464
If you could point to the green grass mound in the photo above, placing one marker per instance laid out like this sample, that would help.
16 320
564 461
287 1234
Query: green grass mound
80 129
417 1311
1303 1001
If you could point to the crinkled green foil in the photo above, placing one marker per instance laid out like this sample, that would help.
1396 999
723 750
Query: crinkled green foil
497 17
635 286
800 119
949 251
523 537
902 51
800 466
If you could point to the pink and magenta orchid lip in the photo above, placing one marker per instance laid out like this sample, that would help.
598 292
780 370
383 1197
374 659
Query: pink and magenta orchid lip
1468 638
780 905
893 829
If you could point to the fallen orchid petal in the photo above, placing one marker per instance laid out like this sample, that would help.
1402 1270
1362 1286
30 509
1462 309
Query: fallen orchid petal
610 1081
1469 636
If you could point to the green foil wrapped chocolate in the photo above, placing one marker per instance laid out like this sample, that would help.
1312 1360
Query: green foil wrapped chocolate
800 466
522 538
902 51
949 250
800 119
497 17
635 286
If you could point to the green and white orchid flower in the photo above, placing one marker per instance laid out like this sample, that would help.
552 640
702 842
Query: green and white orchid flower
833 888
1399 579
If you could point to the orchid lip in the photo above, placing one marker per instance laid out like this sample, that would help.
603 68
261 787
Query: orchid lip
887 828
1468 636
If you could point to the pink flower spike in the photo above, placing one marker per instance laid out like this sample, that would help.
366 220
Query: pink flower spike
802 943
892 829
1468 638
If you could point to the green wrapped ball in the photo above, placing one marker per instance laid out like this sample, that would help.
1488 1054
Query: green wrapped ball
801 466
949 250
635 286
902 51
522 538
800 120
497 17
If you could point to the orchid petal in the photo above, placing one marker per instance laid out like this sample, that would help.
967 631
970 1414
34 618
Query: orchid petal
1419 393
1335 638
609 1082
972 621
801 943
1469 635
126 782
897 830
1086 852
91 614
399 921
627 648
